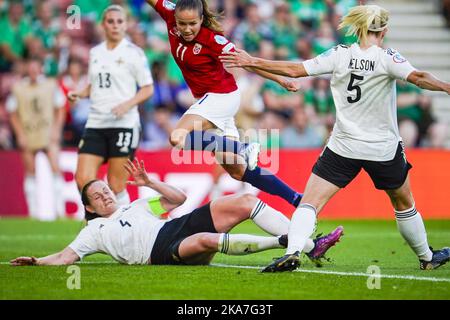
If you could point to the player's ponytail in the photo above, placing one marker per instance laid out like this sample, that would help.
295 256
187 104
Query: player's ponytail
362 20
210 18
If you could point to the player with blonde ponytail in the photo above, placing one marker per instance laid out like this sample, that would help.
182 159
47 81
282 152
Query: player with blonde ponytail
362 20
365 135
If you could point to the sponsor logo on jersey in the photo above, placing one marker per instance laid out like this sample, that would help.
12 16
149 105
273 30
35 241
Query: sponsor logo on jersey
120 61
221 39
125 208
169 5
174 31
197 48
398 58
335 48
402 144
391 51
175 257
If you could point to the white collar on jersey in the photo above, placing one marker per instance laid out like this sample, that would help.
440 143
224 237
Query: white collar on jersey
122 43
356 45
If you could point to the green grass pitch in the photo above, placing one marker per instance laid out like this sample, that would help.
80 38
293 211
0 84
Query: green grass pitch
365 243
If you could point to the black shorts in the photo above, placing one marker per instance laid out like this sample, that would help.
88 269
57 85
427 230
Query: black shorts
340 171
110 143
165 249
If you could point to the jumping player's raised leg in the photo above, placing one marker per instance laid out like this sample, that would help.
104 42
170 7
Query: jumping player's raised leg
193 132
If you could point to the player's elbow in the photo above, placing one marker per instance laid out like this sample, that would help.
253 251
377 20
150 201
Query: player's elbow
67 257
418 78
175 201
60 260
181 198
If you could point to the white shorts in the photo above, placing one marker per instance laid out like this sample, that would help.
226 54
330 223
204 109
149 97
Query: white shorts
220 109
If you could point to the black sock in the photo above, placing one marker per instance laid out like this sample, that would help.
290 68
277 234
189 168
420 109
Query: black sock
268 182
209 141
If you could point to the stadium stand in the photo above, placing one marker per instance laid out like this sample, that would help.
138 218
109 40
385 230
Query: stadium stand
419 31
278 29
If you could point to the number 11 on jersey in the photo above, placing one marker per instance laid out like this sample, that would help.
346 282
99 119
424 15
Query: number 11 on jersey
182 52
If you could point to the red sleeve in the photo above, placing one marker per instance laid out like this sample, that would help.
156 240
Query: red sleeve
166 9
217 43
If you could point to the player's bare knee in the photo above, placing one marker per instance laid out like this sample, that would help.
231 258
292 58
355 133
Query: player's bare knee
246 204
178 137
173 140
236 171
401 199
208 242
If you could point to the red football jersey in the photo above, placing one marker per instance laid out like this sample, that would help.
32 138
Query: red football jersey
199 59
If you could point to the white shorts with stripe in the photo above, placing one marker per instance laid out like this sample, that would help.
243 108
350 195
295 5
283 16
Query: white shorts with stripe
220 109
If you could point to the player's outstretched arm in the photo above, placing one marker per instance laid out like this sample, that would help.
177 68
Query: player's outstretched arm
65 257
171 196
241 59
427 81
289 85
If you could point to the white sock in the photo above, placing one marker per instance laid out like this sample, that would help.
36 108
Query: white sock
411 227
270 220
240 244
274 222
29 188
58 186
309 245
123 198
301 228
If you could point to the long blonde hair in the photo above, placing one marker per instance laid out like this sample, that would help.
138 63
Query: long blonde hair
364 19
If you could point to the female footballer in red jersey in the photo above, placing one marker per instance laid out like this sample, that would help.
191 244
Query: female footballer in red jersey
196 42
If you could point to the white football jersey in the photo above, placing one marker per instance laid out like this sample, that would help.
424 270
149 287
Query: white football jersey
127 235
114 76
363 85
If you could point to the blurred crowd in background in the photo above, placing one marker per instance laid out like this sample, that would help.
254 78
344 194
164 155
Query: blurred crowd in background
285 30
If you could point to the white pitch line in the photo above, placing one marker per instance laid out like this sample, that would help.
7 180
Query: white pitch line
347 274
78 263
336 273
